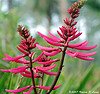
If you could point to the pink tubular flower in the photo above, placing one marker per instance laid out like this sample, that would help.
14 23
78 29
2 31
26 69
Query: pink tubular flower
85 47
49 62
45 68
53 53
15 70
17 59
28 74
51 41
48 73
36 59
77 44
22 50
18 90
74 36
81 46
80 55
9 58
48 87
46 48
29 92
54 37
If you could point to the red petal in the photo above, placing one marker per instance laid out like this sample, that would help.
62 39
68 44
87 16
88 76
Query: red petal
23 61
36 59
9 58
86 47
49 73
61 35
28 75
48 87
16 70
28 92
53 53
18 90
85 58
49 62
21 50
44 36
46 48
54 37
86 54
74 36
53 42
46 68
77 44
80 55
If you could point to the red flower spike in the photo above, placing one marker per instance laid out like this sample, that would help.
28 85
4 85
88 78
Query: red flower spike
23 31
18 90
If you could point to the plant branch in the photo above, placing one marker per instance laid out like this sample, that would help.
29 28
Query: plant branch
32 74
59 71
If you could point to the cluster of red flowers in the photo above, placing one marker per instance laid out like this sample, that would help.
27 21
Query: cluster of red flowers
60 44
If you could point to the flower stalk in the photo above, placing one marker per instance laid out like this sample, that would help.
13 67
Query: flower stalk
59 71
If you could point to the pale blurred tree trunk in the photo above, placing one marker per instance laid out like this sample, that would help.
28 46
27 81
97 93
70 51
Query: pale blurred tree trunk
9 4
63 8
0 5
49 13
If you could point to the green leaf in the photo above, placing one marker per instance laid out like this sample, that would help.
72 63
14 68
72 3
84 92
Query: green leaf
85 78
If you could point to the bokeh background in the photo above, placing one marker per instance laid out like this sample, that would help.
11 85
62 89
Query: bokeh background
44 16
